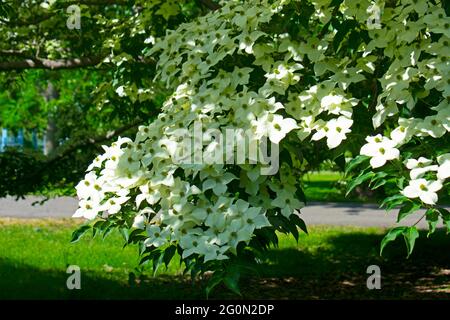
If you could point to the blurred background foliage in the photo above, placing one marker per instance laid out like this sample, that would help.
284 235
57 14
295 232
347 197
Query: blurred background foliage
79 89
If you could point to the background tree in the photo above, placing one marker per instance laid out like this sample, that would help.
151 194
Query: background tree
101 84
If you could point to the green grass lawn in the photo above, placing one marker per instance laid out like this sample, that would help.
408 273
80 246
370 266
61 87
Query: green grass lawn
324 186
329 263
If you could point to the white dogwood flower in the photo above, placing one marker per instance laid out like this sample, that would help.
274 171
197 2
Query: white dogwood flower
380 149
139 222
88 209
113 205
335 130
156 236
405 130
433 126
419 167
274 126
423 189
286 202
444 166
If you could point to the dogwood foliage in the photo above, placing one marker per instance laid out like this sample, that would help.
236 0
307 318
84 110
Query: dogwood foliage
367 80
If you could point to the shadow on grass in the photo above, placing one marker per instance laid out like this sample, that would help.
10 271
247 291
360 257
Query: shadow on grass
25 282
335 271
338 271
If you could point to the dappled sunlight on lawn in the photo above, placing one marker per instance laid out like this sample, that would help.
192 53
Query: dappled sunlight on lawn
330 263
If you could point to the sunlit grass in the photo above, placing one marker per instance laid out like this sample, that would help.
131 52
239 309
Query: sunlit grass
34 255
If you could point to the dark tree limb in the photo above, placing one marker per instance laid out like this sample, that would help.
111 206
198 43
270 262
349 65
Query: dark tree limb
211 5
99 2
67 150
37 63
14 53
23 23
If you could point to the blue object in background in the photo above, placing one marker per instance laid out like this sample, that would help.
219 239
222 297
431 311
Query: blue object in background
34 140
4 140
20 138
8 140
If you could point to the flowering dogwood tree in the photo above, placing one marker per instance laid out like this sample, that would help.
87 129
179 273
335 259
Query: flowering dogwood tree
366 80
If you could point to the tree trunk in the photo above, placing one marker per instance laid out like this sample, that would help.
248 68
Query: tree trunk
51 141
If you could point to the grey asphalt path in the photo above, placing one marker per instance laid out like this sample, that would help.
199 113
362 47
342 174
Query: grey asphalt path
63 207
343 214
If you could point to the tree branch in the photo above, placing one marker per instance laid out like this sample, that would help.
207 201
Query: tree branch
211 5
12 52
22 23
37 63
99 2
40 63
90 141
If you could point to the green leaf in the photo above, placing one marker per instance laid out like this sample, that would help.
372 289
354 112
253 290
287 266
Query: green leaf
393 201
447 224
157 260
168 255
265 237
300 194
445 214
432 216
354 39
280 223
97 226
359 180
107 231
305 14
401 183
344 28
340 161
391 236
231 280
299 222
196 269
125 234
407 209
152 251
378 176
294 231
355 162
144 259
288 226
335 3
410 235
136 235
379 183
213 282
78 233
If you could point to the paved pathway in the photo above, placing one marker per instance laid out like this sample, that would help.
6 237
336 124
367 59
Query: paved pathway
349 214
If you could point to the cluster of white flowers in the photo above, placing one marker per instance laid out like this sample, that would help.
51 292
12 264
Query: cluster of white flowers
208 209
420 65
419 187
